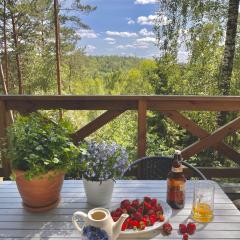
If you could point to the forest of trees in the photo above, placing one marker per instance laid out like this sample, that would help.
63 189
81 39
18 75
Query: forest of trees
34 34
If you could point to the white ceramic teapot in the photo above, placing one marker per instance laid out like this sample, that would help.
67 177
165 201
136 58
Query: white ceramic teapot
99 222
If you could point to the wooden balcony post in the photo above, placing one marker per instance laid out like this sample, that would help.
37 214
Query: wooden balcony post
142 128
3 126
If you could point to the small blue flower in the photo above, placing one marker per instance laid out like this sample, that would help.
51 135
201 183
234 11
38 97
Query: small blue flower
102 161
93 233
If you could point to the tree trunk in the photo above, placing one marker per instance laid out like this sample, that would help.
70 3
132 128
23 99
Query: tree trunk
228 56
4 85
5 46
17 55
57 44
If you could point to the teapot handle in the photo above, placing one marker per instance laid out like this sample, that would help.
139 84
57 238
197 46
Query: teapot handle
74 219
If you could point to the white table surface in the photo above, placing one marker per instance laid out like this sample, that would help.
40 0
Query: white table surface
17 223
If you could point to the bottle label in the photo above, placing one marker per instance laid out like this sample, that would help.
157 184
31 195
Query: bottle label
176 170
176 192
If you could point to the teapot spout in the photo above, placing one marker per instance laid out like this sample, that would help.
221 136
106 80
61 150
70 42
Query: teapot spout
118 225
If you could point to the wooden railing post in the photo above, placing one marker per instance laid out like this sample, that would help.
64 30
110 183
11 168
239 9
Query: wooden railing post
3 127
142 128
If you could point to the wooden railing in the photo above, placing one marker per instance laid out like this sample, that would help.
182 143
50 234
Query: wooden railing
170 106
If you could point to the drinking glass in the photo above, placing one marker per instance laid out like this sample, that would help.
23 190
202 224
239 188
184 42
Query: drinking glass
203 201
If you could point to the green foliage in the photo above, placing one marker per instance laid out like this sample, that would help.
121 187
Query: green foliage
37 145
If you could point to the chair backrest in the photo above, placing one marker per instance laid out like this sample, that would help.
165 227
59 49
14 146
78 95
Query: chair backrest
155 168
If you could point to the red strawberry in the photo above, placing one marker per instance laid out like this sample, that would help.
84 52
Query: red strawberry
161 218
115 219
153 219
130 209
119 210
124 226
147 199
185 236
135 224
135 203
159 208
125 203
136 216
167 228
182 228
191 228
140 210
146 220
147 206
150 212
154 202
113 214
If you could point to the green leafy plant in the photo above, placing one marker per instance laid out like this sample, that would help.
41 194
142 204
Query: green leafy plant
37 145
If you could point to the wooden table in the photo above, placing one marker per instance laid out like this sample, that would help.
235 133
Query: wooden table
16 223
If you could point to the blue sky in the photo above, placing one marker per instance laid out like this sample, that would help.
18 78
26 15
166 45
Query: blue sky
120 27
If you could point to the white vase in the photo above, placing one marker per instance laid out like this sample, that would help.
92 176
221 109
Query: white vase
98 193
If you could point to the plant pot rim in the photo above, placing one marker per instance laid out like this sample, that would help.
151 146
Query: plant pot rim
89 180
21 173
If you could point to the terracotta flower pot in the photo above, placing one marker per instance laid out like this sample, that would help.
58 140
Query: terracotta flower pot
42 193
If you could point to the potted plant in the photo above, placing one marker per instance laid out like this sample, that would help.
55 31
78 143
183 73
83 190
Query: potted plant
101 163
40 151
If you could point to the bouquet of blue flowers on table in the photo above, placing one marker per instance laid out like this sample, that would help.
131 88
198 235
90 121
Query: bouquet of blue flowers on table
100 164
101 161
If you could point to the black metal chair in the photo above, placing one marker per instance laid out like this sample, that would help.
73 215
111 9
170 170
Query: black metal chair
155 168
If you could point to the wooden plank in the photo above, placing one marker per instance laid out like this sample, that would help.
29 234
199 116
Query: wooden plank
142 128
96 124
201 103
197 131
100 104
3 127
212 139
182 98
211 172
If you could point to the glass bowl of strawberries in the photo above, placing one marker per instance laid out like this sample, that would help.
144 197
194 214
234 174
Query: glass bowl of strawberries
145 214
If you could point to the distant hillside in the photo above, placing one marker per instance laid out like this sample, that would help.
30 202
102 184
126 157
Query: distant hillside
105 65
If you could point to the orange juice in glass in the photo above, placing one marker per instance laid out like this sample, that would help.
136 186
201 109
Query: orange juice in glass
203 201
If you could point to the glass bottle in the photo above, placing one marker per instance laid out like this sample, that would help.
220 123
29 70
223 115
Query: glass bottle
176 183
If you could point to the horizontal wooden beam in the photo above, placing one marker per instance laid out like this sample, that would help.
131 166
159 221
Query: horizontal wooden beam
158 103
213 172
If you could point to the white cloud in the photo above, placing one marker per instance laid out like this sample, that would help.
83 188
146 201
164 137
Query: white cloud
160 19
130 21
149 20
90 48
121 34
145 1
145 32
86 33
125 46
109 39
146 39
142 45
